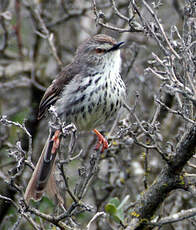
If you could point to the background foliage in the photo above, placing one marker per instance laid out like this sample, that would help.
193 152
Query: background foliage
146 178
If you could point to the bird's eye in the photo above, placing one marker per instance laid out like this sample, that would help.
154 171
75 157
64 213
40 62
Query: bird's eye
99 51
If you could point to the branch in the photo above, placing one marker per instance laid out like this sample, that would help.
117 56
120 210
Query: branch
169 179
98 214
161 29
8 123
45 33
184 214
99 16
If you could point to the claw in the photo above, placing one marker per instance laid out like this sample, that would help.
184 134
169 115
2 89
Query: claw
56 141
101 141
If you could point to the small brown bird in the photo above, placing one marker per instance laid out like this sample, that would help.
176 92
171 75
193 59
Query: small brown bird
88 92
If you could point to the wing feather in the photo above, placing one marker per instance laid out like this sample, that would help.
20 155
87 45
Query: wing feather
54 91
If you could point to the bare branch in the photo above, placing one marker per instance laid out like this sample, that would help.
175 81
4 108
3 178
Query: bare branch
168 180
183 215
161 29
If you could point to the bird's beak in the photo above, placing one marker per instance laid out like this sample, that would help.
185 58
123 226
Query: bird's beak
116 46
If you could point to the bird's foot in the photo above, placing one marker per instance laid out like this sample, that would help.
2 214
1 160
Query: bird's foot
101 141
56 141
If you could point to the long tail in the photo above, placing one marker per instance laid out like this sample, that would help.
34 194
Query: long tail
42 176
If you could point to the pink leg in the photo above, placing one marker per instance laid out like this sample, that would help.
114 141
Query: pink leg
101 141
56 140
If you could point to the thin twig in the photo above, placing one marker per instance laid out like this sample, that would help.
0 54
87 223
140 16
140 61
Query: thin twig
6 122
117 11
183 215
175 112
161 28
98 214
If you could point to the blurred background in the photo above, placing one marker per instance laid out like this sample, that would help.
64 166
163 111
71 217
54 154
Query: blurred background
37 39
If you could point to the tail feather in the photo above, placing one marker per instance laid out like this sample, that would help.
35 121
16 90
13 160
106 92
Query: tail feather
42 174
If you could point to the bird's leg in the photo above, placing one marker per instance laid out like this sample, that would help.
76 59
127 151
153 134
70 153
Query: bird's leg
101 141
56 141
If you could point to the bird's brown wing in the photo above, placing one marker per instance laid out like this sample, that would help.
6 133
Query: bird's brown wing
54 90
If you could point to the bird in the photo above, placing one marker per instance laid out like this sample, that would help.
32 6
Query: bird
87 92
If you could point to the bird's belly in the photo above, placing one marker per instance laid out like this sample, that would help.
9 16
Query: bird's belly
97 108
94 115
95 104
